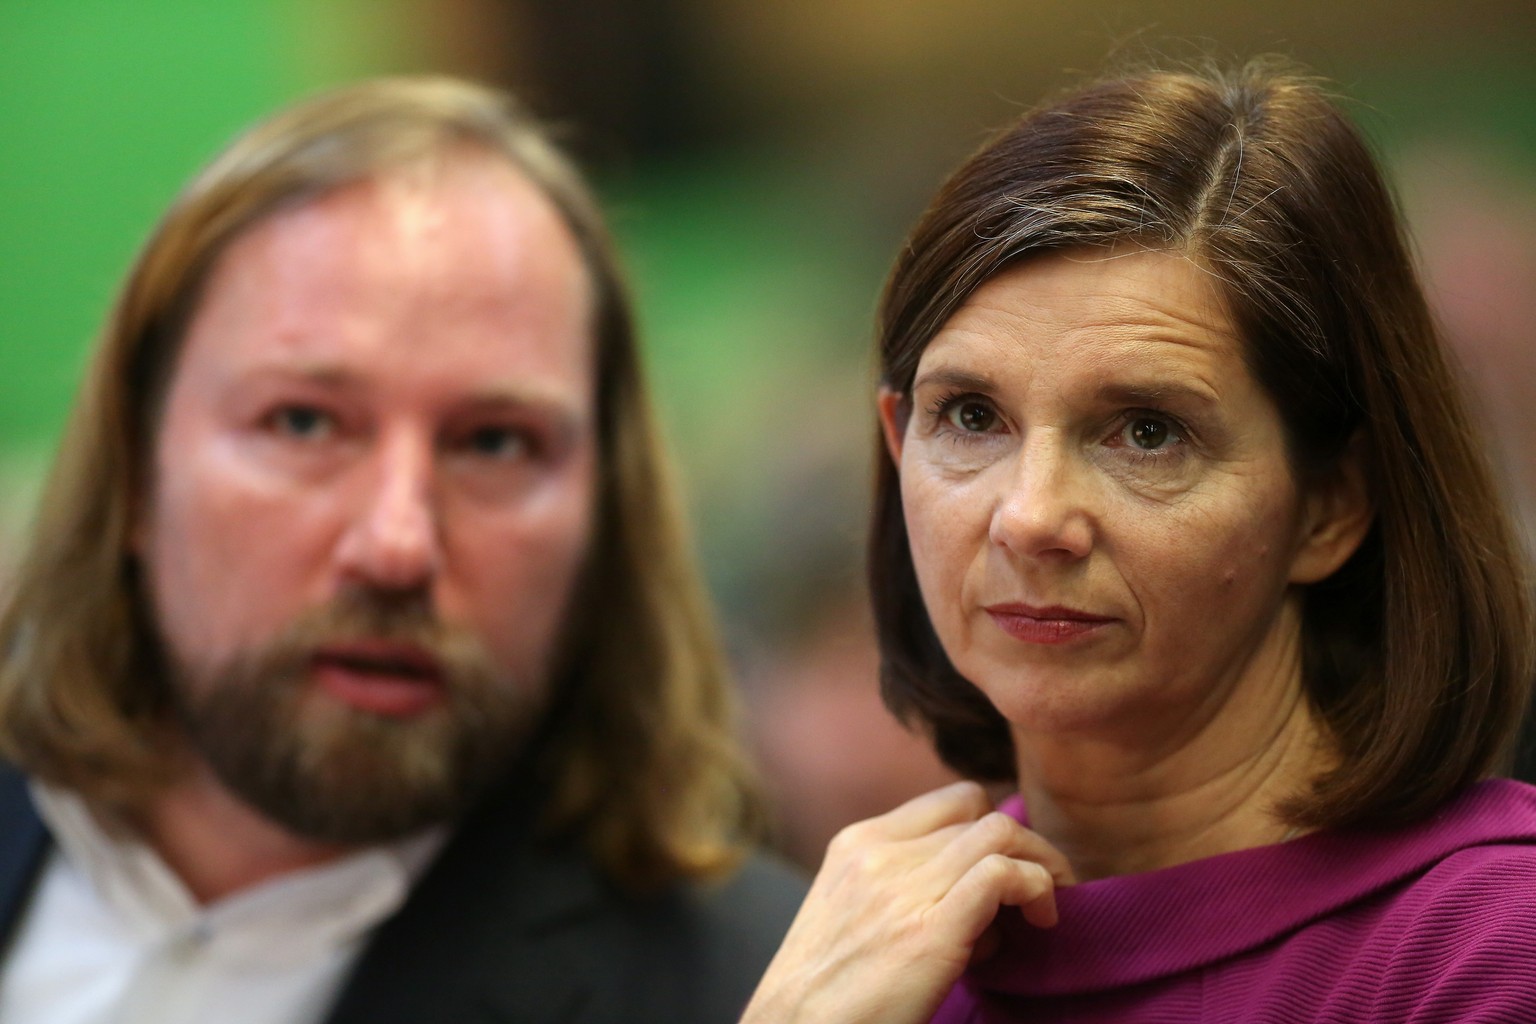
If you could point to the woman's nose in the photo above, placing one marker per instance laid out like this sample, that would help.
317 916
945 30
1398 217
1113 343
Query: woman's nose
393 539
1043 509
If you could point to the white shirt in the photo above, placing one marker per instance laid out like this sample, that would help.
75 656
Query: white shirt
113 937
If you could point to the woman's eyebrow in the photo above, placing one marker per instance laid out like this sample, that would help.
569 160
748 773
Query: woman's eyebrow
1151 393
948 377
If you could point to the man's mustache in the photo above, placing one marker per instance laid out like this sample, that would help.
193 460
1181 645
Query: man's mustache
368 614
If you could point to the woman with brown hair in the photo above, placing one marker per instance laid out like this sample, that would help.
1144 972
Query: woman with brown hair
1181 532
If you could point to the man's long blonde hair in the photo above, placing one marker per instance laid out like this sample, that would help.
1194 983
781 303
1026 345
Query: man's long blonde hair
637 754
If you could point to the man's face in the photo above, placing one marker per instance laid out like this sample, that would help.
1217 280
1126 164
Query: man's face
372 490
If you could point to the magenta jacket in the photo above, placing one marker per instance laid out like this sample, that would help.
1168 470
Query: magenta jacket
1431 924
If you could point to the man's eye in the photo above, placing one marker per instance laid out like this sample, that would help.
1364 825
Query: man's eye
498 442
972 416
302 421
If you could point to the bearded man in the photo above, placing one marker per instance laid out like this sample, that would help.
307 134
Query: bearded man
357 670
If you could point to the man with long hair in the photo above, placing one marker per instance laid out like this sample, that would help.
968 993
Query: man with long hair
357 670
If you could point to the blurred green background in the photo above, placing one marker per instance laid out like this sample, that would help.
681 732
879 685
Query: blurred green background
760 162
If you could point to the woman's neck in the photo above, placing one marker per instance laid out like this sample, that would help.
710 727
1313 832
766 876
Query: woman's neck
1116 806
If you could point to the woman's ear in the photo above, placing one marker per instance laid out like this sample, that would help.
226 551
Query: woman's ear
1337 513
894 413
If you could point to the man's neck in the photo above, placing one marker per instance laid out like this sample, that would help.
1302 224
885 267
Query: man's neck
218 845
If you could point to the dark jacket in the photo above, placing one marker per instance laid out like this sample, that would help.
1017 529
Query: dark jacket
505 929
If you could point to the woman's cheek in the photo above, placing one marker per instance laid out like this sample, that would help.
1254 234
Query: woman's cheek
945 525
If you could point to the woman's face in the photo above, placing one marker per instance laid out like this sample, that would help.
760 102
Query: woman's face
1105 525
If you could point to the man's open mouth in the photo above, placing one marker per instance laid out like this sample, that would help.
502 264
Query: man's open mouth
383 677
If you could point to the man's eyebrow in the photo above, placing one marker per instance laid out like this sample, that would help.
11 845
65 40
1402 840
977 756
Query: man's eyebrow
489 392
506 396
314 373
514 398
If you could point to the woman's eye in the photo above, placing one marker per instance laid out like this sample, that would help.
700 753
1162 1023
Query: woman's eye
972 416
302 421
1149 433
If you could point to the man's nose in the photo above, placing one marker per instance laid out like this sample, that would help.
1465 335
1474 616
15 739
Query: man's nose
394 541
1044 507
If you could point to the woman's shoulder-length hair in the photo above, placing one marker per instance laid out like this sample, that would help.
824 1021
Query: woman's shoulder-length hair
1417 652
638 748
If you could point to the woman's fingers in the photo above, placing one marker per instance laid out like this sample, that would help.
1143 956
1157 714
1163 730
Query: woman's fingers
898 907
966 853
995 881
995 833
959 802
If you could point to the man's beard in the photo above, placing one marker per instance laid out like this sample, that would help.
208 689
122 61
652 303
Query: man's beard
333 773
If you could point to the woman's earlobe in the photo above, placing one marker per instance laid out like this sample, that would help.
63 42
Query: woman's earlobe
895 411
1339 511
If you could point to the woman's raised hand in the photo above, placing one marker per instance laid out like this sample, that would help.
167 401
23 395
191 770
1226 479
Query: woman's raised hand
898 908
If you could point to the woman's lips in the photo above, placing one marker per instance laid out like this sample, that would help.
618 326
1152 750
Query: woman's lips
1049 625
386 678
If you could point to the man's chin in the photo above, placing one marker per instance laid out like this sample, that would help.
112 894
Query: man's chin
359 794
330 772
364 722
